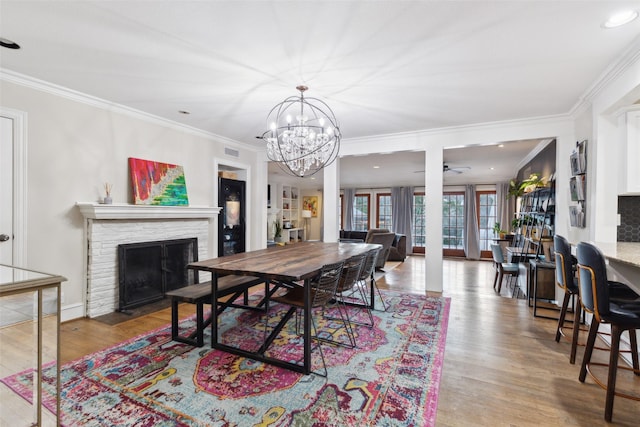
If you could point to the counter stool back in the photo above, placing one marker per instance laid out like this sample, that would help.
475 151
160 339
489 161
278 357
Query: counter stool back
568 282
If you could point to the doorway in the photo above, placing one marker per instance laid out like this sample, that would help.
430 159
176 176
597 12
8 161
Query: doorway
13 181
6 191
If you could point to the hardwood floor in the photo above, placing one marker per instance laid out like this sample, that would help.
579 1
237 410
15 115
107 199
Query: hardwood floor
502 366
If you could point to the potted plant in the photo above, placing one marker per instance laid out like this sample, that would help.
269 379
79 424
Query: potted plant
515 224
517 189
499 231
277 231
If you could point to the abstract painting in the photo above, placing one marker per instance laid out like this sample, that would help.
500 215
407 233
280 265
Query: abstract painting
310 203
156 183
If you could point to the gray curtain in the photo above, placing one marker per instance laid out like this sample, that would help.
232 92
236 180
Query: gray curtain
471 233
504 212
402 213
348 198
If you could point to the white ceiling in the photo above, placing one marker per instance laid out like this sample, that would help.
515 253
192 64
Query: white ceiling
383 66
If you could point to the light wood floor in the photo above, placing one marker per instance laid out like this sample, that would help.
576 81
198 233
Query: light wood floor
502 366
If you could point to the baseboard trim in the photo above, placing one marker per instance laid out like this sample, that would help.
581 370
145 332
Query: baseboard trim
70 312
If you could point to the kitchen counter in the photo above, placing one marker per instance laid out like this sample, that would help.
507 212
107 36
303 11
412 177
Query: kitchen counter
625 252
624 262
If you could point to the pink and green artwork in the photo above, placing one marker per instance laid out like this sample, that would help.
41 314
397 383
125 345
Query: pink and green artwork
156 183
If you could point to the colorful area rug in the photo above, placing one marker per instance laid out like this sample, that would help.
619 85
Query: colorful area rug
390 379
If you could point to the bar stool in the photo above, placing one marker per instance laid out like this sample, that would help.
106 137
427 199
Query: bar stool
566 279
621 316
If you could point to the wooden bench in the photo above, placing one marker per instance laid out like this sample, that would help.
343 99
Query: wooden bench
200 294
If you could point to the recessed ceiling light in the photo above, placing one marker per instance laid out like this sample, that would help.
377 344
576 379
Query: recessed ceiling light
376 167
500 145
492 168
620 18
8 43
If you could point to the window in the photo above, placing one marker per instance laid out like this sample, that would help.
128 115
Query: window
418 234
361 212
486 203
453 223
384 210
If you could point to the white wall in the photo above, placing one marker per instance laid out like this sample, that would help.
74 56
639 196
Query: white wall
74 147
608 159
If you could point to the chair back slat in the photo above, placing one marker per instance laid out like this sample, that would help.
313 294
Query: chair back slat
350 273
325 285
369 264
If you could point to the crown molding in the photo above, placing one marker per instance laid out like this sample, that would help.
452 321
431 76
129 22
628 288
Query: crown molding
558 118
64 92
629 57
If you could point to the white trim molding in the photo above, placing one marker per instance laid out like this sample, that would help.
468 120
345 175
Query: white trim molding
125 211
19 184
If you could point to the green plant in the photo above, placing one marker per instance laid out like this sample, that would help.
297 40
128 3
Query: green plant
517 189
515 223
277 228
497 229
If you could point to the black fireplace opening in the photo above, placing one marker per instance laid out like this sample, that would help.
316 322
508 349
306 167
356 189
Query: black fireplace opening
148 270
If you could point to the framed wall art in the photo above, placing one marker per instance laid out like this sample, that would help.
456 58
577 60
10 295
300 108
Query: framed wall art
310 203
156 183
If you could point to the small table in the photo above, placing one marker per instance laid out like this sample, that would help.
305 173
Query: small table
285 264
15 280
536 266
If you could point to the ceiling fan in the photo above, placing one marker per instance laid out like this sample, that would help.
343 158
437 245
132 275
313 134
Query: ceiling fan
446 168
458 169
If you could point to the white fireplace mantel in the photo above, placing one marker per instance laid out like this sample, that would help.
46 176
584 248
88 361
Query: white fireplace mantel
126 211
106 227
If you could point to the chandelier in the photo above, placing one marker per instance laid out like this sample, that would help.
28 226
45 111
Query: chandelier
303 135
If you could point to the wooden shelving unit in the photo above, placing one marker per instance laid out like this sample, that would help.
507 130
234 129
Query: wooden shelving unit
290 214
290 204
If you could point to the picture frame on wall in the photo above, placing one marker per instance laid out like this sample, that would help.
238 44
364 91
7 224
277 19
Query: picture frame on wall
310 203
577 187
578 159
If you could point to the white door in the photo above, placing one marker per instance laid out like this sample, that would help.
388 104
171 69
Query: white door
6 190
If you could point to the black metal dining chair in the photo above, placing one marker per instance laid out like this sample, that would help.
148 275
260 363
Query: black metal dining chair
344 292
367 285
621 316
323 290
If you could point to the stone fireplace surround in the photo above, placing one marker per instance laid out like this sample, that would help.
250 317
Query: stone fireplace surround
107 226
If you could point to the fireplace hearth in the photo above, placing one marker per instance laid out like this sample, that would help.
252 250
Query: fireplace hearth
147 270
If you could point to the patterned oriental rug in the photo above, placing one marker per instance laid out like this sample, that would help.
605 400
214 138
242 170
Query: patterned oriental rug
390 379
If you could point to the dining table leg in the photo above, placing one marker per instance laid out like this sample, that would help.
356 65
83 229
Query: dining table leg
372 284
307 326
214 311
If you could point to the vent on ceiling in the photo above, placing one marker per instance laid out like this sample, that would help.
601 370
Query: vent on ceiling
231 152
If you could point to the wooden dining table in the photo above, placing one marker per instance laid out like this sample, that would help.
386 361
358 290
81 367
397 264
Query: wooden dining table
290 265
